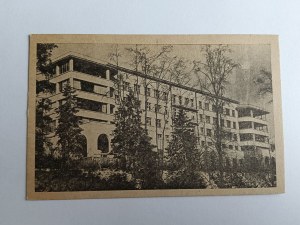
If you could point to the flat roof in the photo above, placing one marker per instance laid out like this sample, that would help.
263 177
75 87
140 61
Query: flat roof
170 83
81 57
116 68
257 109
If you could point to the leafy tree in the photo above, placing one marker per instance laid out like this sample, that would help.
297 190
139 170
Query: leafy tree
264 82
43 62
132 144
183 156
68 129
42 129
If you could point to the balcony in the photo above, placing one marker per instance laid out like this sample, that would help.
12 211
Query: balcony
254 131
82 76
252 119
85 95
185 107
95 97
95 115
255 143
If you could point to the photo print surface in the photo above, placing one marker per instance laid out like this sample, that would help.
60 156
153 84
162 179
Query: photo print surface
143 116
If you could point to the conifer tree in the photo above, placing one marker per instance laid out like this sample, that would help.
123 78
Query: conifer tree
183 155
68 129
42 129
132 144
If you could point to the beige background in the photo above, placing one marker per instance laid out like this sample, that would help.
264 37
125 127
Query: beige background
18 20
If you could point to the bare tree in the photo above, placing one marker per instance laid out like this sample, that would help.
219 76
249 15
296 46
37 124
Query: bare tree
114 58
213 73
146 61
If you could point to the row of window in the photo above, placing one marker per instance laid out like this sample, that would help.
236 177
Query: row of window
209 143
227 135
229 124
256 137
157 122
60 69
188 102
156 108
148 91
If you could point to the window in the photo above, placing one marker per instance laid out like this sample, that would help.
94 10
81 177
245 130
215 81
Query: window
227 112
174 99
236 147
230 147
186 102
208 132
234 125
103 144
111 92
167 138
64 68
206 106
87 86
203 143
200 105
202 130
245 125
246 137
148 121
215 121
235 137
147 91
228 123
158 123
137 88
112 108
192 102
213 107
180 100
91 105
260 138
207 119
165 96
157 108
222 123
148 106
62 85
224 146
233 113
156 93
126 86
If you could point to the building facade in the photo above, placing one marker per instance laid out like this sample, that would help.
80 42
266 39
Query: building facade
99 89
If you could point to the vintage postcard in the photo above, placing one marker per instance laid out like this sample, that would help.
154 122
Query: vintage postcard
114 116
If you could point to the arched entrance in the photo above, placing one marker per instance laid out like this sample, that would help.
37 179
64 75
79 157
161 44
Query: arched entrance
103 143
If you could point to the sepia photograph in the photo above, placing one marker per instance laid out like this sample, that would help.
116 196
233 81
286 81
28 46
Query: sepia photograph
146 116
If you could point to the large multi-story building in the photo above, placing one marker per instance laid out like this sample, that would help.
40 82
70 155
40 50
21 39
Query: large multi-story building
98 98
